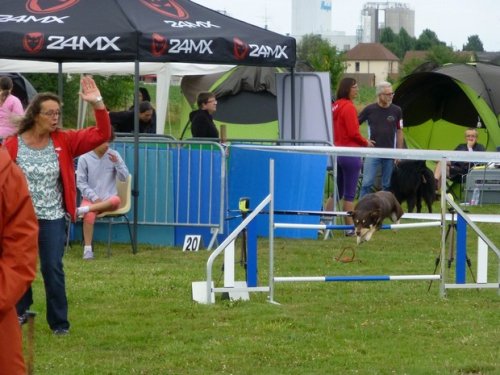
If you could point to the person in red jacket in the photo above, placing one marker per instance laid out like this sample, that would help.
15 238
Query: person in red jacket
18 252
45 153
346 134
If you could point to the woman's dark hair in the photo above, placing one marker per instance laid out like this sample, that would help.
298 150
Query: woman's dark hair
145 106
145 94
344 88
6 86
204 97
34 108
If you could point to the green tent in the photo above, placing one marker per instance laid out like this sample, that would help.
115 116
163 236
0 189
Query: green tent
439 105
246 99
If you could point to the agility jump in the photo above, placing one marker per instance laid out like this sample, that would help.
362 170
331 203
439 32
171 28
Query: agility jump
269 200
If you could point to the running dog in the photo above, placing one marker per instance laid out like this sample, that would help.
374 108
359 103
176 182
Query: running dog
370 212
412 181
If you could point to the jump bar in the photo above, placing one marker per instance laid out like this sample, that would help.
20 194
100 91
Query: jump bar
343 227
300 213
355 278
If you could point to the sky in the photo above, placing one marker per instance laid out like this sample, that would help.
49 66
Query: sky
452 20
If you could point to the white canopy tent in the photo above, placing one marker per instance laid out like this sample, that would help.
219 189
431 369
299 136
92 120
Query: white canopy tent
163 72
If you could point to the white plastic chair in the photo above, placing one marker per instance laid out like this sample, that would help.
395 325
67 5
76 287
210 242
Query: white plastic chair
125 194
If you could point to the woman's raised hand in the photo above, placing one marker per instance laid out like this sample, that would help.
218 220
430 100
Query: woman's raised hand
90 92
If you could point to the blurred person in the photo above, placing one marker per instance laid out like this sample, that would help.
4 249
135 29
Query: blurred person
10 108
45 153
123 121
202 123
455 170
145 97
346 134
96 179
385 130
18 252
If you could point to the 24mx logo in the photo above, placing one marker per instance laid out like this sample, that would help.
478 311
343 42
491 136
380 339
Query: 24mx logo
169 8
277 52
33 42
49 6
179 46
241 50
26 19
80 43
192 25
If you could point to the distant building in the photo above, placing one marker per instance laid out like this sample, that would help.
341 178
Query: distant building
415 56
370 63
340 40
315 17
378 15
311 17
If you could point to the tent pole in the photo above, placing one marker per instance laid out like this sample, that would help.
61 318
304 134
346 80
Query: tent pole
60 80
292 97
135 190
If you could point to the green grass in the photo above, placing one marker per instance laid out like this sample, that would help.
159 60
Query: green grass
133 314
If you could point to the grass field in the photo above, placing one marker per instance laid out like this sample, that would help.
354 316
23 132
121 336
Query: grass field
133 314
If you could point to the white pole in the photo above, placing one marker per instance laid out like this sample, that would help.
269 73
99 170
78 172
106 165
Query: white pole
482 261
271 231
229 265
444 167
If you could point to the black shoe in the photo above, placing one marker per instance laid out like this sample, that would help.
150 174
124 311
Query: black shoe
23 319
60 332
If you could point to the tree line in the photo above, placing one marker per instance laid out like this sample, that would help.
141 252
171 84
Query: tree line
318 54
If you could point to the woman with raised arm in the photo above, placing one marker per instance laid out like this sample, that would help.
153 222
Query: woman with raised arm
45 153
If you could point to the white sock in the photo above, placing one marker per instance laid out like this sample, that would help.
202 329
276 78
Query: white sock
82 210
87 248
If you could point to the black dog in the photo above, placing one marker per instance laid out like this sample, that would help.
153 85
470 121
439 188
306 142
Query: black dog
370 212
412 181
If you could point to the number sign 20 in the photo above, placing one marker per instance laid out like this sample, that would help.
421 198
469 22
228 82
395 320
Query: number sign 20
191 242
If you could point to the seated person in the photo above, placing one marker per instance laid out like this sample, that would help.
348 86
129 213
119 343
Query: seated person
96 179
145 97
123 121
455 170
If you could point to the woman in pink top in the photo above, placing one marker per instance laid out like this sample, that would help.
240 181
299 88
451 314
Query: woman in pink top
10 107
346 134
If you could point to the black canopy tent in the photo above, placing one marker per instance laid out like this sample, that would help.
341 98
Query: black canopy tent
138 31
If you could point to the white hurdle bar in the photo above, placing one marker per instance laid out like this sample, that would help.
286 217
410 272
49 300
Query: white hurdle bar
282 279
341 227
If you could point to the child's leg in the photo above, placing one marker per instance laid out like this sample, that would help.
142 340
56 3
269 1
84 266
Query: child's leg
110 204
90 211
88 230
